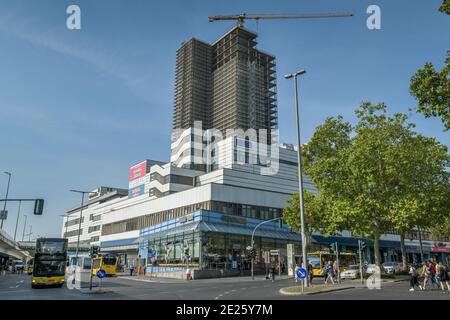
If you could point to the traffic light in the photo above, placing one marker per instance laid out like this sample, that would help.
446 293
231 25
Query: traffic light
94 251
38 207
334 247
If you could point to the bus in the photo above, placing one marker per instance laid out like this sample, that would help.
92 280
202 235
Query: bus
318 260
106 262
30 265
49 267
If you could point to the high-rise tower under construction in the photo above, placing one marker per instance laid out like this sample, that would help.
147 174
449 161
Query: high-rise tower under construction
229 84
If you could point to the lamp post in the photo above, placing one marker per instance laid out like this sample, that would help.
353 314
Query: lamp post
6 198
17 220
253 242
300 176
81 217
24 225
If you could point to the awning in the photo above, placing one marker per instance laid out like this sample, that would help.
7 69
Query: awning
263 233
353 242
190 227
222 228
119 243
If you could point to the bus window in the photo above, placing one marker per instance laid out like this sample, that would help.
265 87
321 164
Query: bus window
109 261
314 260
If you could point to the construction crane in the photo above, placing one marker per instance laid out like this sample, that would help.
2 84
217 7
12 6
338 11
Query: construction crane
244 16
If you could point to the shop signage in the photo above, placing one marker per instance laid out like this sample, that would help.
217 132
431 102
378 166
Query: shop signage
139 170
440 247
274 252
136 191
186 219
234 219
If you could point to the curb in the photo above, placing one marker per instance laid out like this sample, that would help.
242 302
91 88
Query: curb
282 291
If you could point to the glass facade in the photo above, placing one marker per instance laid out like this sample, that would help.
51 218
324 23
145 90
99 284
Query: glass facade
212 240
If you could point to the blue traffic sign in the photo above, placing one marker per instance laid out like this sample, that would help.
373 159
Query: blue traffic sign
154 254
101 274
301 273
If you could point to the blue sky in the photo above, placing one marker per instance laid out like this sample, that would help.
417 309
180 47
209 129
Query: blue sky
78 108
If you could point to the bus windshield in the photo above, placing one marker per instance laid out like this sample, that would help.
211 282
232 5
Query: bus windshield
109 261
49 268
314 260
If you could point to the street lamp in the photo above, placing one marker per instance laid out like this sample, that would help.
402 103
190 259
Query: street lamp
300 176
24 225
6 198
81 216
253 242
17 220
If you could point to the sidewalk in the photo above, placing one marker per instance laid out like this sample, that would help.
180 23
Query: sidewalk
322 288
147 278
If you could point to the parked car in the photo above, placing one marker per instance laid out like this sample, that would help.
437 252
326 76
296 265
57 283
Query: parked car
371 268
391 267
351 272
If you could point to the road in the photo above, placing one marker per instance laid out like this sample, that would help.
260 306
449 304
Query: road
17 287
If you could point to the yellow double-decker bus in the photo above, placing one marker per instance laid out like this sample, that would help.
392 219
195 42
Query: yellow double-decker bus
107 262
49 268
318 260
30 265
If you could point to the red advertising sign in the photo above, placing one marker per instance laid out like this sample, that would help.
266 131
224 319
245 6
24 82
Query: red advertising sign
440 249
138 171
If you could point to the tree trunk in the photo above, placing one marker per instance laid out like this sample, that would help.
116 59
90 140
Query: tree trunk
403 249
376 247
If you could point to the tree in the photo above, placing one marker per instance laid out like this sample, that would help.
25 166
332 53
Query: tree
423 191
431 88
291 214
360 174
445 7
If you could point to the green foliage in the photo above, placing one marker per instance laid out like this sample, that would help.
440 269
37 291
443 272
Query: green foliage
431 88
445 7
373 177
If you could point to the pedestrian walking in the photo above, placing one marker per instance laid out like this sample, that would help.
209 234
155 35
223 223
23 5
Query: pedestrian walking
414 281
426 274
273 271
434 280
329 272
310 273
443 276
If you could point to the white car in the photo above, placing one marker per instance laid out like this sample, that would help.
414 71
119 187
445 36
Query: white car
371 268
391 267
351 272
